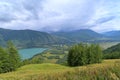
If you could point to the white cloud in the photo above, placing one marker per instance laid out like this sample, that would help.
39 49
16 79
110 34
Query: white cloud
54 15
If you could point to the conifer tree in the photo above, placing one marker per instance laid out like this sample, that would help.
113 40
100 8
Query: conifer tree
14 57
4 62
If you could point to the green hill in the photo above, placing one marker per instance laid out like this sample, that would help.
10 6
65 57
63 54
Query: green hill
29 38
115 48
107 70
112 52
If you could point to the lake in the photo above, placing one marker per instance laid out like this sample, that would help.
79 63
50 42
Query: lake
30 52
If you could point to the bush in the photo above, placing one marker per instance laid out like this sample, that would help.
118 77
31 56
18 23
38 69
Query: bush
82 54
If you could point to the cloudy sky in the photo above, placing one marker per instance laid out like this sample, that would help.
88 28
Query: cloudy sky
56 15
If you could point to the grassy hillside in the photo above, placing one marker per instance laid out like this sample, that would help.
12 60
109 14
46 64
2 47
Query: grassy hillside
115 48
107 70
112 52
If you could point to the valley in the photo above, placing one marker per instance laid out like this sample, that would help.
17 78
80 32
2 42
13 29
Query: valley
59 40
46 54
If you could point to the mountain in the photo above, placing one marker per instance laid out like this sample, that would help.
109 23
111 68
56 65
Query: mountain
80 35
29 38
115 35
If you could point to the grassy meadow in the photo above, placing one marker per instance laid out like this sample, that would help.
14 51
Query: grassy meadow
107 70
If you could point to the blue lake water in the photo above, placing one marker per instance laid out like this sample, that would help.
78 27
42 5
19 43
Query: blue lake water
30 52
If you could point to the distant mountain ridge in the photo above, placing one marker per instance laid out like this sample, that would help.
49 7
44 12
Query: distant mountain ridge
115 35
80 35
29 38
111 33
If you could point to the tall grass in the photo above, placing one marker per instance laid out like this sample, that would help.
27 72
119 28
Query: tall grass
108 70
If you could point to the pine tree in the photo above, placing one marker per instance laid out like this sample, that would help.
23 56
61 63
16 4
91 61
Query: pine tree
14 57
4 62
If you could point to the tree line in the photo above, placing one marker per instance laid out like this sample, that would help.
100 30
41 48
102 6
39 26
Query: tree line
9 58
83 54
113 55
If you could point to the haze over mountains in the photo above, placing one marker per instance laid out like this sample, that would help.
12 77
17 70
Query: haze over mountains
113 34
31 38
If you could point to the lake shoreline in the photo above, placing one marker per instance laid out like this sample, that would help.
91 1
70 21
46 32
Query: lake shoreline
30 52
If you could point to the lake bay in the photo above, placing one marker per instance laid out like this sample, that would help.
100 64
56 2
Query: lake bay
30 52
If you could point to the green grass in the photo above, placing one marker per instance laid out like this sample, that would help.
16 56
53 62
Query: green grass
44 67
107 70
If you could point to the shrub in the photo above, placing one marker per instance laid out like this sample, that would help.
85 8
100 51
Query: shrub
82 54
